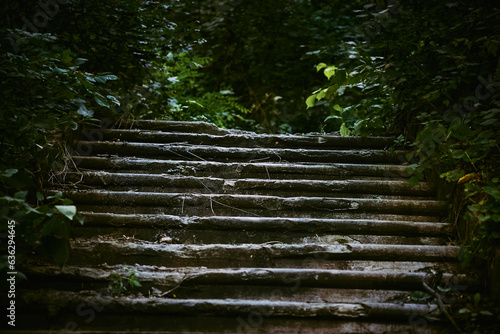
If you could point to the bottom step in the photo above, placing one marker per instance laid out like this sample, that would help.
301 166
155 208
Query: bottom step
57 310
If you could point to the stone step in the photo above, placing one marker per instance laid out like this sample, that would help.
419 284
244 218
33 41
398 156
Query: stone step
173 126
263 224
256 205
241 139
233 154
231 170
253 323
273 254
225 307
238 230
165 183
231 231
304 284
219 316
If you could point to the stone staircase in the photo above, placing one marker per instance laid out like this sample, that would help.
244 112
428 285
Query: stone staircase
234 232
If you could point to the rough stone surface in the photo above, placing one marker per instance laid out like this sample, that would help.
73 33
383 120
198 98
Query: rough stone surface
235 232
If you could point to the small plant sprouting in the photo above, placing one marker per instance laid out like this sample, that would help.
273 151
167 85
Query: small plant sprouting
119 282
181 170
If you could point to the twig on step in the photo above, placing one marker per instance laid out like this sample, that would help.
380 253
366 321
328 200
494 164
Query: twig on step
441 306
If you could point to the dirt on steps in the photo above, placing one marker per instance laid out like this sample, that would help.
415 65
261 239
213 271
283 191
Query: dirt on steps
236 232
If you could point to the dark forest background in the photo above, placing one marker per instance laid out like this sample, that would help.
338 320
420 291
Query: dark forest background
425 71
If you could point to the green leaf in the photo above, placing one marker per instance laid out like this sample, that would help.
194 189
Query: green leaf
30 209
483 217
332 90
340 77
474 207
414 181
489 122
21 195
79 61
39 196
104 78
67 210
311 100
493 191
486 313
113 99
57 249
8 172
321 94
56 227
320 66
101 100
84 111
337 107
330 71
66 56
477 298
419 295
332 117
344 130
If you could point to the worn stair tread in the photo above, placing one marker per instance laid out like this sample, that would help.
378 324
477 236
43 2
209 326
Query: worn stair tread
63 300
256 203
244 236
231 231
174 126
239 230
289 188
213 325
222 210
243 170
367 226
213 153
130 251
239 139
252 323
385 283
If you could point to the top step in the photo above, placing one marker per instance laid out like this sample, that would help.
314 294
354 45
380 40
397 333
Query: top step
201 133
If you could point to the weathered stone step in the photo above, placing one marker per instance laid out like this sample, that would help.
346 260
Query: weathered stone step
235 212
236 139
62 301
233 154
238 230
164 183
304 284
175 126
230 231
217 316
368 227
256 205
131 251
274 171
252 323
284 188
193 237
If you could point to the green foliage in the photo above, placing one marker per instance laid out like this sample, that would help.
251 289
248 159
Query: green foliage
482 217
181 170
410 69
368 116
47 227
390 67
46 95
219 108
476 314
265 53
119 282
